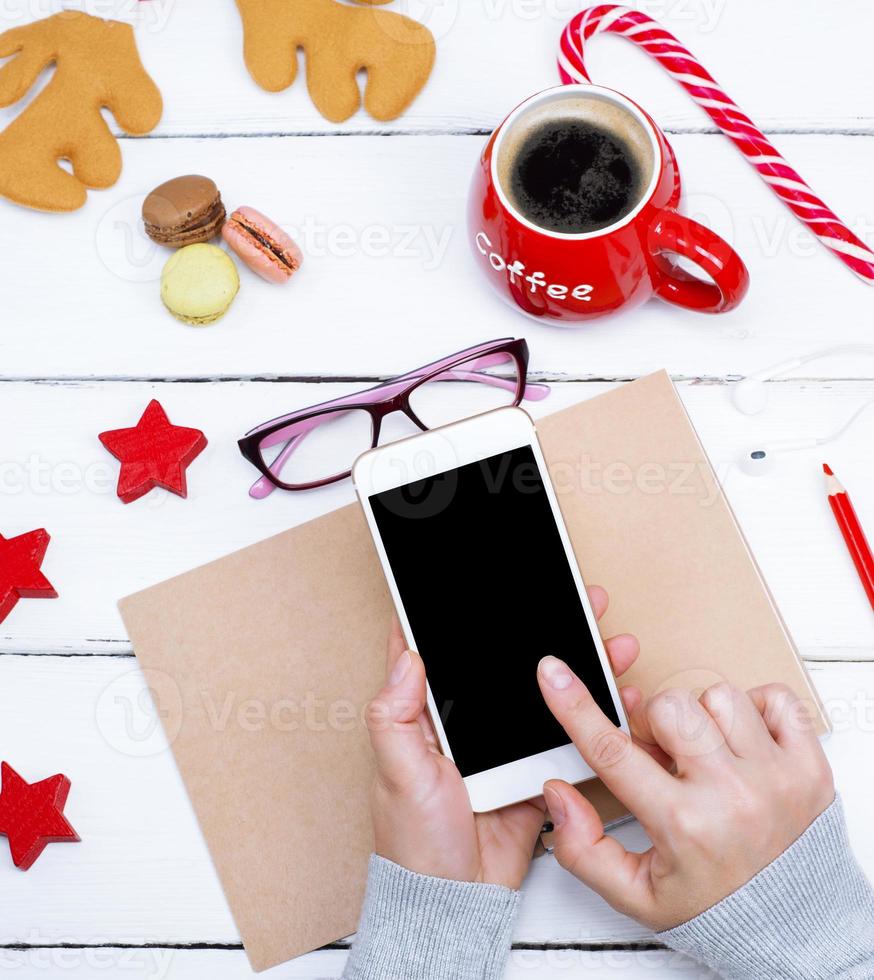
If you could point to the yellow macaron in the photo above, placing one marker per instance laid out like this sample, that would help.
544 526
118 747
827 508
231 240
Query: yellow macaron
199 283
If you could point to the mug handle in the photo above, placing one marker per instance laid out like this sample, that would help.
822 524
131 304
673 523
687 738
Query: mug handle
674 232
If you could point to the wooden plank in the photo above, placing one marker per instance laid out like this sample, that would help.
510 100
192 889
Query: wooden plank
55 474
142 866
791 65
176 964
388 280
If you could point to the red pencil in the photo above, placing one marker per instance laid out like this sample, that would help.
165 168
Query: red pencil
848 522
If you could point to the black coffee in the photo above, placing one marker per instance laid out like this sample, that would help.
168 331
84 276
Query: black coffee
572 176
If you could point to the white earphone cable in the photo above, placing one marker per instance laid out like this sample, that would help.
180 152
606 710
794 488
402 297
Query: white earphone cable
841 349
847 424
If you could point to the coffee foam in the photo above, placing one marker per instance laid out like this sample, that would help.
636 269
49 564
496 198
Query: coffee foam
596 110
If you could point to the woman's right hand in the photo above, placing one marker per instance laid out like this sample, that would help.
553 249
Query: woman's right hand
750 777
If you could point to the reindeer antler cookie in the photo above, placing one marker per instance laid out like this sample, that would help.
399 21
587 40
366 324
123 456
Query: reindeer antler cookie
96 65
338 41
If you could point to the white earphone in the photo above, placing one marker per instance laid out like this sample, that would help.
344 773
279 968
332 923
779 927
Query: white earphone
750 396
761 458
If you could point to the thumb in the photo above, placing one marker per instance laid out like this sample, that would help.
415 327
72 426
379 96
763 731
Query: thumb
393 720
601 862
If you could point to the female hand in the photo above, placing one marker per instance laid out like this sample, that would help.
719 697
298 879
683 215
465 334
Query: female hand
421 812
751 776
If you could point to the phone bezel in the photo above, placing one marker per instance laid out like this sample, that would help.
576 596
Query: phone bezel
436 451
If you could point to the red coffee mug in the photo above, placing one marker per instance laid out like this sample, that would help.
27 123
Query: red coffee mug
571 277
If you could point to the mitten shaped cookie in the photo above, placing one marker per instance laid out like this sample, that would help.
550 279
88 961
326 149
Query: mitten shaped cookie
96 65
338 41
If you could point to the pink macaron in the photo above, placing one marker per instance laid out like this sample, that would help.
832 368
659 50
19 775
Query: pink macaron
264 247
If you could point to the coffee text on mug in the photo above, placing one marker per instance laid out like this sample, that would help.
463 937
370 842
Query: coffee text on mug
536 280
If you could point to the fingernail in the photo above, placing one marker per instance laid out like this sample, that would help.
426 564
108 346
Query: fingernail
555 805
556 673
399 671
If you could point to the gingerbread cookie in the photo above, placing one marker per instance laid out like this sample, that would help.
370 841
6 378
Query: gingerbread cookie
96 65
338 41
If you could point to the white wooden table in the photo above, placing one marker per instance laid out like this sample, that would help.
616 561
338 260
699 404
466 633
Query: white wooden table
388 284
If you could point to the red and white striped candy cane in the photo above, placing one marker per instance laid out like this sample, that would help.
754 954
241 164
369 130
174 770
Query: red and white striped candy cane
685 68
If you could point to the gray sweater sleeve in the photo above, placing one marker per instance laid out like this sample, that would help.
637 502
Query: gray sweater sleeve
808 916
414 927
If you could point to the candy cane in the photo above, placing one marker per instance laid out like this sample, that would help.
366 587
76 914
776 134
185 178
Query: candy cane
685 68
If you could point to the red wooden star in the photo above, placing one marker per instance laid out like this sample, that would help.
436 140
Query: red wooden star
31 815
20 577
153 454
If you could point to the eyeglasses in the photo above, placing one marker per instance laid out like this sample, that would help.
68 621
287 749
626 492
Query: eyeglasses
316 446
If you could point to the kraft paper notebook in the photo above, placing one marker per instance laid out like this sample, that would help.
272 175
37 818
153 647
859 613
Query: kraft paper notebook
298 624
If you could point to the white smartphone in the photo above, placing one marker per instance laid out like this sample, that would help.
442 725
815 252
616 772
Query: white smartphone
483 575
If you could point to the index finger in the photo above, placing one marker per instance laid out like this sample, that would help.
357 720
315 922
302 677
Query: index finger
632 775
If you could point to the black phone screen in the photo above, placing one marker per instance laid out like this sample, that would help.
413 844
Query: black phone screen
486 586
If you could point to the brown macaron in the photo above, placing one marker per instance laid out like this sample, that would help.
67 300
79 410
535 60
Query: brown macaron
184 211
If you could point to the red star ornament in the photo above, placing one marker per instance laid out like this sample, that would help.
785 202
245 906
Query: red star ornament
31 815
20 577
153 453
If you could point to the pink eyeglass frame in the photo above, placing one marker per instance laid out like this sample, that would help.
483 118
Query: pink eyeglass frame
379 401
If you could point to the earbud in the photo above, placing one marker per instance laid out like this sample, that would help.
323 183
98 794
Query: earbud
761 458
750 395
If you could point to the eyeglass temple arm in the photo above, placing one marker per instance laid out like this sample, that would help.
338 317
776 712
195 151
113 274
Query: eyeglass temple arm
262 487
533 391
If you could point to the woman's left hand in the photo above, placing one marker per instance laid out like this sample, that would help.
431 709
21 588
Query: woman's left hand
421 811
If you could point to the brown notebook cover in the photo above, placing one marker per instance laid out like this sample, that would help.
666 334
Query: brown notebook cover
263 660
